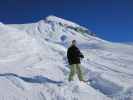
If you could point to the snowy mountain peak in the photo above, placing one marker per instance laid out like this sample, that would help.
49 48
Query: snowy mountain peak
64 22
61 21
34 66
55 29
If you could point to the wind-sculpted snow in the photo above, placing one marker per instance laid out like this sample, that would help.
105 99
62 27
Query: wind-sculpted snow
33 63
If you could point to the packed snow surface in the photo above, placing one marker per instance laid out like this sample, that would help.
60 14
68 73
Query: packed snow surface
33 63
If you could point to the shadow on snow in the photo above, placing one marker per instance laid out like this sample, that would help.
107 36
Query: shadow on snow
35 79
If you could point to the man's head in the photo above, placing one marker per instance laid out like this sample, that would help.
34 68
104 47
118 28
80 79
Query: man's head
73 42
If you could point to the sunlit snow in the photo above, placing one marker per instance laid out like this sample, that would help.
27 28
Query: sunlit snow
33 63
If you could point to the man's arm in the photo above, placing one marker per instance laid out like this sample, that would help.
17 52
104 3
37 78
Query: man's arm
79 53
68 56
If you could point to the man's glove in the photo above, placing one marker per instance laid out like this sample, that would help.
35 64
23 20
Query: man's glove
81 56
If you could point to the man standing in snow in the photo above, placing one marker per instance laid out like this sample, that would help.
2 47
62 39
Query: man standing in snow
74 55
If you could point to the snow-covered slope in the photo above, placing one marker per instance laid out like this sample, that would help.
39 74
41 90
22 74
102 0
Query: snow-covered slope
33 64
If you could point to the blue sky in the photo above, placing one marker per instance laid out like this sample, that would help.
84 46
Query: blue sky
110 19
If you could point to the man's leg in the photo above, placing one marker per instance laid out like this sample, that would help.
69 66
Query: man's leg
79 72
72 72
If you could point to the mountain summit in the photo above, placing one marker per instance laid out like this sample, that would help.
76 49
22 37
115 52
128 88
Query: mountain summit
33 64
61 21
